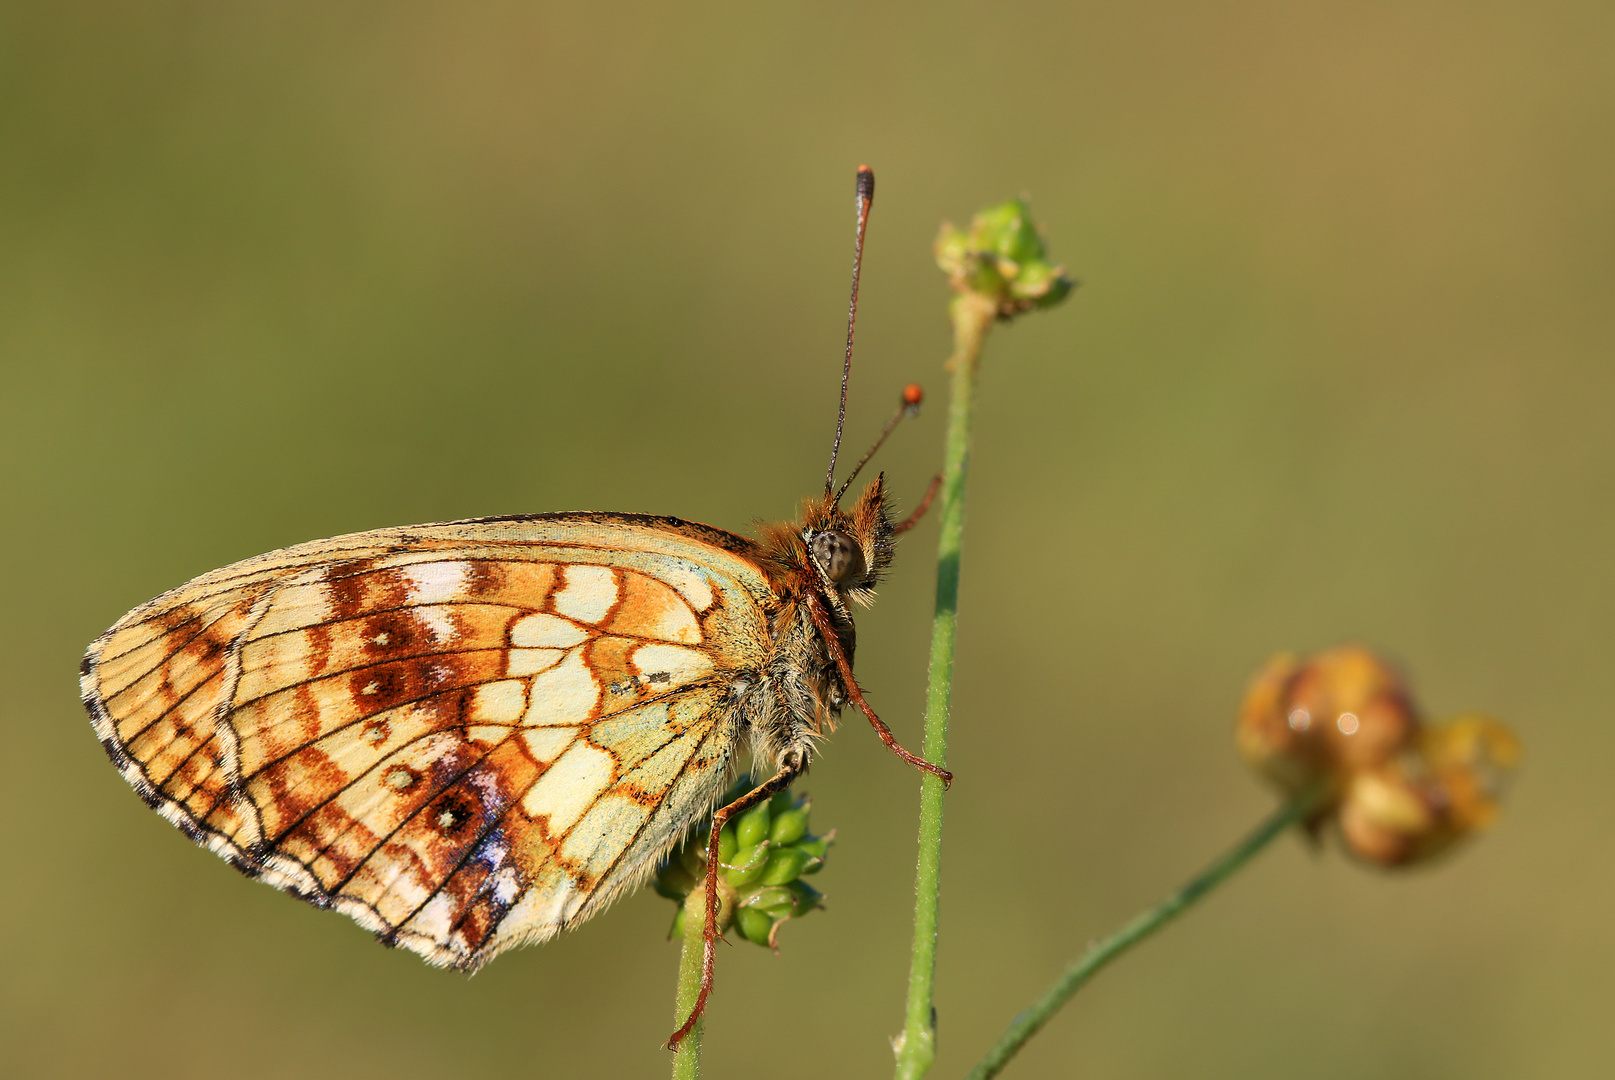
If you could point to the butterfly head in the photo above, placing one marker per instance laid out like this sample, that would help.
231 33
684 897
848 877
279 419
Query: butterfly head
848 550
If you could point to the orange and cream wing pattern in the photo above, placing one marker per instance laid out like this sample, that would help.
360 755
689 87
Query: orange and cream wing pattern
466 736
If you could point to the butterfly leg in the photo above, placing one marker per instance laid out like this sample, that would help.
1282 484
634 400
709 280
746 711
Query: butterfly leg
827 631
792 767
925 504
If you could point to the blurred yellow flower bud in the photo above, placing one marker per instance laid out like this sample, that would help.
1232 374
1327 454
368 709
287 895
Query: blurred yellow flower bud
1400 791
1387 815
1430 798
1309 721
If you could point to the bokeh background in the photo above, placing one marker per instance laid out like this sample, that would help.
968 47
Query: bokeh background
1339 369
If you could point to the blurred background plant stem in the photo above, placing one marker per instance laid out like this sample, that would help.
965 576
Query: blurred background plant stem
972 317
1140 927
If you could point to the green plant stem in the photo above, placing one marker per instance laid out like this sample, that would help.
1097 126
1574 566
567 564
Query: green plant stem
687 1058
916 1047
1106 949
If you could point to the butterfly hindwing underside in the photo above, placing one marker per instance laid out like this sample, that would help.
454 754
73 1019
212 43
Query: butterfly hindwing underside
466 736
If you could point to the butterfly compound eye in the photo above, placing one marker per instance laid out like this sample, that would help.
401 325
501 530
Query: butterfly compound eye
839 556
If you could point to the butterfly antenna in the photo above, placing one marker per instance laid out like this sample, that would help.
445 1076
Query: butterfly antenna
865 196
909 406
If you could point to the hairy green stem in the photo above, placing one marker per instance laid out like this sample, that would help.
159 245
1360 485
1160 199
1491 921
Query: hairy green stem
916 1047
1146 923
687 1058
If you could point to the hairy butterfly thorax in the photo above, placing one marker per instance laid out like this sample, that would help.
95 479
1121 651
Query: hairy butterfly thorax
825 561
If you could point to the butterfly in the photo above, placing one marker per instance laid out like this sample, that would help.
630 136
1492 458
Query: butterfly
471 735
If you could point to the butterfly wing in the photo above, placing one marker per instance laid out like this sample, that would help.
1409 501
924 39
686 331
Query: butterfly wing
466 736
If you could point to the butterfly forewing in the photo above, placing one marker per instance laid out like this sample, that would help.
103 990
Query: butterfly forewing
466 736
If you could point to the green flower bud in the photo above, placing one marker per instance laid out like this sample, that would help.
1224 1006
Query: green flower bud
1002 259
727 844
817 846
747 865
807 897
1042 284
784 864
674 882
754 926
771 897
952 249
1005 231
789 827
752 826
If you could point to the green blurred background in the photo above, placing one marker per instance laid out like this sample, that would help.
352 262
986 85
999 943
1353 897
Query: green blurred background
1339 369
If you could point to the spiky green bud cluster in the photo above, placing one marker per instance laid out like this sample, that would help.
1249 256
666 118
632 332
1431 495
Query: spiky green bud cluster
1002 260
762 855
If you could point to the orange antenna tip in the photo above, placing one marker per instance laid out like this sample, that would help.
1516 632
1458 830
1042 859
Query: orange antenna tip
909 406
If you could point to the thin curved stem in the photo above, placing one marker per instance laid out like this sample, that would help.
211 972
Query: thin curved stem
1106 949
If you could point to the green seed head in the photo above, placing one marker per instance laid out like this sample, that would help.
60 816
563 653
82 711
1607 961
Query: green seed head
1002 259
763 854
